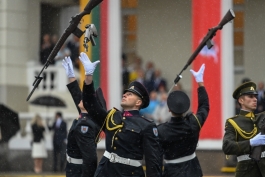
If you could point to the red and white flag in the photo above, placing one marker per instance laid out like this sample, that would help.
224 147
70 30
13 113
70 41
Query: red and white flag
218 75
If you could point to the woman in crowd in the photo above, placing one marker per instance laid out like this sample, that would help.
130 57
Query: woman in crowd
39 151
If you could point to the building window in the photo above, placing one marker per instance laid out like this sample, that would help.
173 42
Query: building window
129 26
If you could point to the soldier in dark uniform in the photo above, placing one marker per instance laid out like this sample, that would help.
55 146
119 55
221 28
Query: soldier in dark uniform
129 136
81 147
179 136
242 133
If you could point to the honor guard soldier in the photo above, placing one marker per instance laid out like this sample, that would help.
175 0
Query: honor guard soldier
242 133
179 136
129 136
81 147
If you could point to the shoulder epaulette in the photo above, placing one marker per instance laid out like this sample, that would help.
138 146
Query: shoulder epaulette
188 114
116 109
148 119
233 117
260 113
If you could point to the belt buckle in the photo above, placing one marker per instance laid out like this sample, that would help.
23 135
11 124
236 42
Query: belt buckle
112 157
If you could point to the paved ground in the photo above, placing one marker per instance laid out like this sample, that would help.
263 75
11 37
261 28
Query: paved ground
58 175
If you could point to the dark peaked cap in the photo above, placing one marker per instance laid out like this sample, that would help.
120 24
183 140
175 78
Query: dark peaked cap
140 90
245 88
178 102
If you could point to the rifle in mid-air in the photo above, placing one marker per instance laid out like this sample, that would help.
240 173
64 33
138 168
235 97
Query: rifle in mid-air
72 28
206 41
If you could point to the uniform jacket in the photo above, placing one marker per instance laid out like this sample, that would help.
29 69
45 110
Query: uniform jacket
81 139
128 135
179 138
236 142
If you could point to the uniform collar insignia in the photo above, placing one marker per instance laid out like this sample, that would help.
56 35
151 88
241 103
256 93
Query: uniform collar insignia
127 114
131 113
250 115
247 114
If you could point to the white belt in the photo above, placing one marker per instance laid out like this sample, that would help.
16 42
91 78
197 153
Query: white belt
73 160
114 158
182 159
246 157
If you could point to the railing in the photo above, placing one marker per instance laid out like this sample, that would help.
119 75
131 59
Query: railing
54 77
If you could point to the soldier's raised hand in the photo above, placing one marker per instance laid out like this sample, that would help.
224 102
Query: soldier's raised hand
199 74
88 65
68 66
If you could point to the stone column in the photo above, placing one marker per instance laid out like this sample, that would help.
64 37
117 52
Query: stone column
19 34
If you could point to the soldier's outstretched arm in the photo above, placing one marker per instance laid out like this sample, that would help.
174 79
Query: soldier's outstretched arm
203 100
73 86
89 99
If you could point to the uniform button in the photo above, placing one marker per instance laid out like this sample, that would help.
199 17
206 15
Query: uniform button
116 138
132 173
133 130
123 118
114 148
119 130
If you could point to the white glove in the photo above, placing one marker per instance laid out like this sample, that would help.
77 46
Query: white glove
257 140
68 66
88 65
198 75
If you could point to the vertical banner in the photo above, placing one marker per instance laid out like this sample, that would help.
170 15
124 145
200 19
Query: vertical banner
106 17
104 58
205 15
85 20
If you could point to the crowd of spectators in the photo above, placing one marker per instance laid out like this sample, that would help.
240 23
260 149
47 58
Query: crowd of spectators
69 48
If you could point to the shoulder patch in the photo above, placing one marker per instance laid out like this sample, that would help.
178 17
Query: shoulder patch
84 129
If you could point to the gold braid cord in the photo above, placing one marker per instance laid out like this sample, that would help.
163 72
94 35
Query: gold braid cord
110 118
197 121
244 134
115 126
